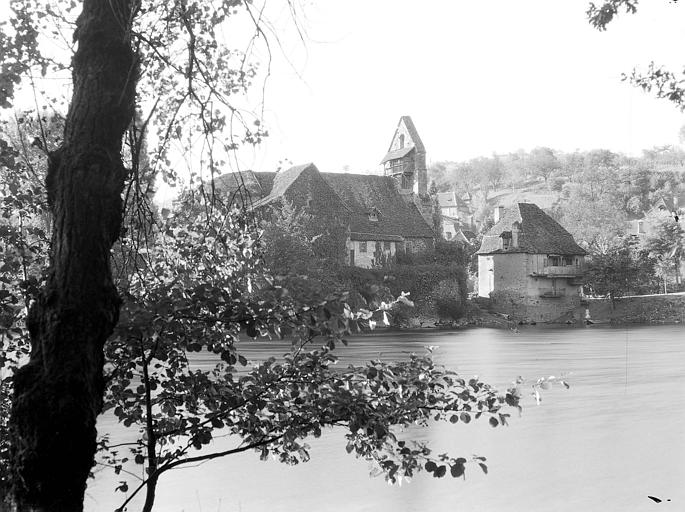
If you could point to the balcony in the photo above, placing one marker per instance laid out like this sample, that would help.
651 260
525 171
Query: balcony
559 271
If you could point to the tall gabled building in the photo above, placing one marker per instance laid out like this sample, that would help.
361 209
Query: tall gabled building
405 163
530 264
380 215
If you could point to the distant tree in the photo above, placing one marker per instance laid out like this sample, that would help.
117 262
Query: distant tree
594 222
488 172
543 162
633 186
514 168
571 164
667 245
620 269
599 177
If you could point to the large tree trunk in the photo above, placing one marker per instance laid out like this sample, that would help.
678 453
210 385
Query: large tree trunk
59 393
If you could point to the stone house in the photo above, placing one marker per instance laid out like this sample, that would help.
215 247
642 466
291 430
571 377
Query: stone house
380 216
664 206
456 216
530 265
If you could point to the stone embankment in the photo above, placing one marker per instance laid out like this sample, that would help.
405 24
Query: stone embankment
638 309
642 309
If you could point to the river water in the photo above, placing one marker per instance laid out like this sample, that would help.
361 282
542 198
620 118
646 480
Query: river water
613 439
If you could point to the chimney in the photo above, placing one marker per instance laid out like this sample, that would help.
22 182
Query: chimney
515 230
499 213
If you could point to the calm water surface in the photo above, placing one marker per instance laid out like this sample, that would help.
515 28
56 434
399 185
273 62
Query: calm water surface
617 436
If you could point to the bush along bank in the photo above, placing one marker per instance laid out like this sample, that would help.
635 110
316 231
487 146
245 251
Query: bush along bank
438 291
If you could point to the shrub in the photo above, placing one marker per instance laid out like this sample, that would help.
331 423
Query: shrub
420 281
449 300
400 314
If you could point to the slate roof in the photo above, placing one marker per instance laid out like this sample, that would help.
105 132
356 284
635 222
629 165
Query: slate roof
351 195
450 200
539 233
361 192
397 153
256 184
282 181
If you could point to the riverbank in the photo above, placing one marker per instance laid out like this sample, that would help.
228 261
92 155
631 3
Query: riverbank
644 309
476 316
641 309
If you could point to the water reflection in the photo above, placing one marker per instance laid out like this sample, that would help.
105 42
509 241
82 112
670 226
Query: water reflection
606 444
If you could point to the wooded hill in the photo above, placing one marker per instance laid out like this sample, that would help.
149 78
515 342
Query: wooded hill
591 193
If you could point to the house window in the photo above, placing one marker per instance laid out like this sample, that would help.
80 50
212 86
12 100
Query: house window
386 246
401 141
505 243
554 261
448 235
373 214
407 181
362 246
640 226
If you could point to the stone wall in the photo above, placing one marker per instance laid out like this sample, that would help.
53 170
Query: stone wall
528 309
653 309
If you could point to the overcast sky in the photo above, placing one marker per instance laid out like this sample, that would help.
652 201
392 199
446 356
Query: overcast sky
477 77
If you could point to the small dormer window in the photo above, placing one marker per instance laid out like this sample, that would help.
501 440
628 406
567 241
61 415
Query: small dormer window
373 214
506 240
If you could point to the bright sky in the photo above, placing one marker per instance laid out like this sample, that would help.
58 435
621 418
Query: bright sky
477 77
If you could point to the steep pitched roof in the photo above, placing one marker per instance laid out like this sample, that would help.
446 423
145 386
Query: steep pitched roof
450 200
362 192
397 153
539 233
283 180
255 184
672 203
416 142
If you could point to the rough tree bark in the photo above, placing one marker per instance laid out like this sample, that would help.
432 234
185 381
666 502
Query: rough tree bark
59 393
